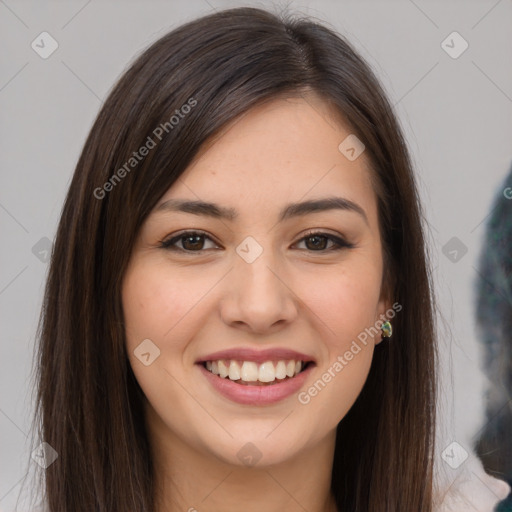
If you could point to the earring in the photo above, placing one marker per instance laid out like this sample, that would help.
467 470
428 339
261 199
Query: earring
387 330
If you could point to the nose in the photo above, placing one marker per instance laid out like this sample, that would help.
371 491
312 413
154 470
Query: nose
258 296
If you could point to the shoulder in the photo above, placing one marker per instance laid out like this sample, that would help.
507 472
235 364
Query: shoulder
472 489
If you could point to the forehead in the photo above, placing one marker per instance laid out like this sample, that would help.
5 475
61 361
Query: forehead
282 151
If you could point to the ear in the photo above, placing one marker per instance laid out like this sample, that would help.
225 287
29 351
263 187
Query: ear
383 307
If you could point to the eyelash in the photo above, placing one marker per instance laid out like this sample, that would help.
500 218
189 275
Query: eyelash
340 243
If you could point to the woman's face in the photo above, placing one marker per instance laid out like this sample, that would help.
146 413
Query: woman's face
257 286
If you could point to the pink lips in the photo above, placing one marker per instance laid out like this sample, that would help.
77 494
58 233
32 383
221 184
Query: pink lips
256 395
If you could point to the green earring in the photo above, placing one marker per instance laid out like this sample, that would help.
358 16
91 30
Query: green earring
387 330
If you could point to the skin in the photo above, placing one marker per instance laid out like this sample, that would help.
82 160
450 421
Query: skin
315 301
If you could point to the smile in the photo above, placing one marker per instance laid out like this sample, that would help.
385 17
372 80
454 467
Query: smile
247 382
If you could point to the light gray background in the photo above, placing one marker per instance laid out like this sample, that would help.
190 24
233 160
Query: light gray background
456 114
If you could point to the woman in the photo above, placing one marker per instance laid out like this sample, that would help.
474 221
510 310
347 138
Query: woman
238 312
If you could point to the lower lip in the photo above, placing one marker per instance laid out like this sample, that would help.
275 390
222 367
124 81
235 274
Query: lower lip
256 395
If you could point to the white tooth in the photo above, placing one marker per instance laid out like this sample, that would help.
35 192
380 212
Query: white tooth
234 370
208 365
249 371
214 369
223 369
267 372
290 368
280 370
298 366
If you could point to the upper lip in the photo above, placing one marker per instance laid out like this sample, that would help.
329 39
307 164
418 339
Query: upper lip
258 356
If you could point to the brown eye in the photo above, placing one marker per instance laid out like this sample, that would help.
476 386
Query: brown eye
191 241
318 242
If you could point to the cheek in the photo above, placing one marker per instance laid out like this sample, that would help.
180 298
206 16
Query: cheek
160 307
164 306
154 303
344 301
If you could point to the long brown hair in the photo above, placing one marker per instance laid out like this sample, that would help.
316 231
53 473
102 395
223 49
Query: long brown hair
89 404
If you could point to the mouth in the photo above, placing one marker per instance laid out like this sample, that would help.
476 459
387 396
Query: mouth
256 384
256 377
251 373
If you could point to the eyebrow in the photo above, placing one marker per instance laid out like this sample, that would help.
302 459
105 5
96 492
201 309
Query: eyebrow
289 211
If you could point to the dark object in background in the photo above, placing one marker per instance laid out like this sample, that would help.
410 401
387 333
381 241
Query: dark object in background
494 323
505 506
